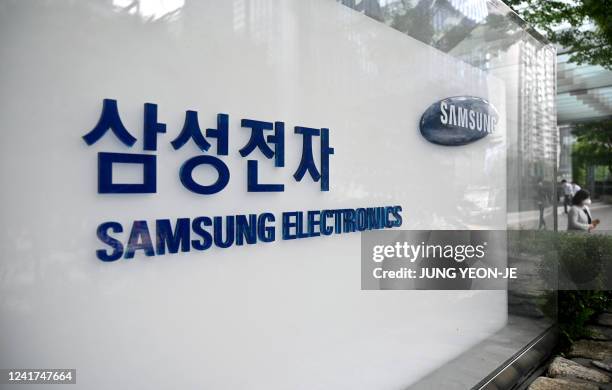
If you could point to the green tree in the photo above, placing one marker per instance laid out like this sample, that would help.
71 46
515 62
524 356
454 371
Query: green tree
584 27
594 143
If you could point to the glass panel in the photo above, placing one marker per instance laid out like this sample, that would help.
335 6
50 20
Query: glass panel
490 37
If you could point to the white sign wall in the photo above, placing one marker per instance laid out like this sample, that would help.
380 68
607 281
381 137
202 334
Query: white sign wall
280 315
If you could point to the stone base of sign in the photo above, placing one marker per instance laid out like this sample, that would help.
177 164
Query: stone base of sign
590 366
544 383
562 367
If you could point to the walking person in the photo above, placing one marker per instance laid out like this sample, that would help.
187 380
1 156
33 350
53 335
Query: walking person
567 194
579 217
575 188
542 202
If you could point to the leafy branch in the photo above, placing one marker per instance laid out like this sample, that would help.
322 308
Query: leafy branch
584 27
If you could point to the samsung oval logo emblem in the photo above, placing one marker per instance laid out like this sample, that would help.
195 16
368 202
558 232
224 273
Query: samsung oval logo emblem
458 120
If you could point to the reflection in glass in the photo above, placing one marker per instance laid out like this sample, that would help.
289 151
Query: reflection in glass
489 36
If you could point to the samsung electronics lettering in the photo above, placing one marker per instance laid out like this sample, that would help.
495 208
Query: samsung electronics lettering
458 120
200 233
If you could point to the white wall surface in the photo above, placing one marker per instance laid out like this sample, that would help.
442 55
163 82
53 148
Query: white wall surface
285 315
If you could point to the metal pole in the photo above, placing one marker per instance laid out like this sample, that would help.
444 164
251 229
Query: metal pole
555 200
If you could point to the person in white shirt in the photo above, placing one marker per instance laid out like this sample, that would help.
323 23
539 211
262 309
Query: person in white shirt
575 188
579 217
567 194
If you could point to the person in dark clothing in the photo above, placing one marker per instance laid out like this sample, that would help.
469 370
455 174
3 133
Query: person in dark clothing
542 202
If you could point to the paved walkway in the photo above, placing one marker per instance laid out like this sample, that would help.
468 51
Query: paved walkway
530 219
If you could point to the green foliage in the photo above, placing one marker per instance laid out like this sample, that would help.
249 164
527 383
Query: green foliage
574 311
576 269
588 35
579 172
573 261
593 144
